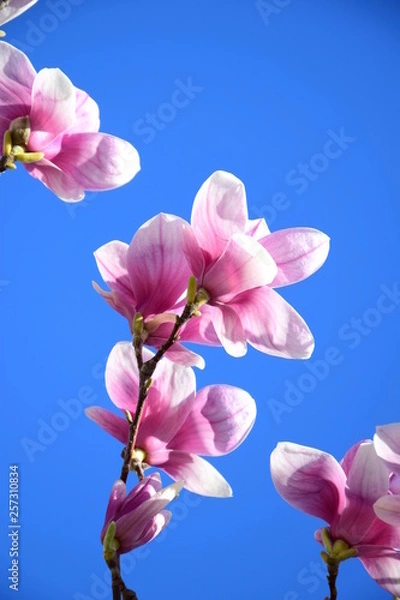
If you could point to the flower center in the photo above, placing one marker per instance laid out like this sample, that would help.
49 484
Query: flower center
15 143
336 551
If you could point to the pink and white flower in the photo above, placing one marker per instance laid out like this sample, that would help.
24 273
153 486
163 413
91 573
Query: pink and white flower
387 446
150 276
177 424
139 516
10 9
52 128
343 495
237 262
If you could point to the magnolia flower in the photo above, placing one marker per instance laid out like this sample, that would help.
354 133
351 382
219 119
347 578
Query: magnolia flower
177 425
139 516
387 446
150 276
343 495
238 262
9 9
51 127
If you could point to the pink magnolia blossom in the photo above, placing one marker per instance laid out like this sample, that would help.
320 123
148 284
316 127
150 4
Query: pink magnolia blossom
387 446
343 495
150 276
236 261
10 9
139 516
177 425
239 262
52 128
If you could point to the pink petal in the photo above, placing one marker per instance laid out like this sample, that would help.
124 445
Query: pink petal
170 396
111 423
219 211
309 480
348 458
159 522
111 260
387 445
385 570
87 117
98 161
117 497
53 109
126 310
16 79
368 477
243 265
201 329
229 329
387 508
199 475
14 9
257 228
145 489
60 183
272 325
122 378
297 252
358 523
157 266
221 418
394 483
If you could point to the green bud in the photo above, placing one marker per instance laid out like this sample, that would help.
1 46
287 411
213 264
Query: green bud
191 290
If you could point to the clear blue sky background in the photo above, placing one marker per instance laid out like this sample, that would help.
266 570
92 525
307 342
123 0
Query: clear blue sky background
270 92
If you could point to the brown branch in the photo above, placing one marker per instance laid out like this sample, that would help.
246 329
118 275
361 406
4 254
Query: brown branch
146 370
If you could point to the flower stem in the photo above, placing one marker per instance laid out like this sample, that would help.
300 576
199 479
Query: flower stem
146 370
333 570
118 585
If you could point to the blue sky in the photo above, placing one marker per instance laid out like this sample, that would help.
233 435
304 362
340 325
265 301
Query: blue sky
266 94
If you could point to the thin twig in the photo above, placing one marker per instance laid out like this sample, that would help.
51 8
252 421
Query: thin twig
118 585
333 570
146 370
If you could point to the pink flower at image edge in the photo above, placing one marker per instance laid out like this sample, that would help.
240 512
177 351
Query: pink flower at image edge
343 495
62 126
13 9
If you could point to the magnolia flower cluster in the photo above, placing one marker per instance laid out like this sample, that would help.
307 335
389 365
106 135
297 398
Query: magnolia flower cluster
237 263
359 499
229 266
